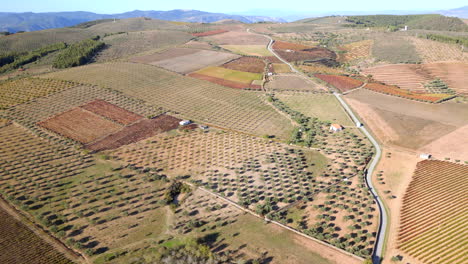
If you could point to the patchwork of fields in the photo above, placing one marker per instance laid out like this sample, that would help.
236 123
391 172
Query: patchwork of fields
96 155
192 98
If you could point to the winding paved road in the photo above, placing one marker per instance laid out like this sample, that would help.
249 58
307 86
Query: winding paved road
380 239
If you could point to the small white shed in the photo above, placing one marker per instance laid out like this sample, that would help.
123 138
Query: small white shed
425 156
185 122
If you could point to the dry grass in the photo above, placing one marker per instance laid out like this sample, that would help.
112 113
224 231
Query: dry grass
433 51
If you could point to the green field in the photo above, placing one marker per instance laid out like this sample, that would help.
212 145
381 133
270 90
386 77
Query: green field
250 50
231 75
322 106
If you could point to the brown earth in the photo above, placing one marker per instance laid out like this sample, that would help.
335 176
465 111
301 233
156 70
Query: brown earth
136 132
80 125
291 83
397 174
453 145
246 64
398 129
113 112
223 82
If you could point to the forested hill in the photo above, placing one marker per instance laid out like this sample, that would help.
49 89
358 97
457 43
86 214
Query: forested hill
428 22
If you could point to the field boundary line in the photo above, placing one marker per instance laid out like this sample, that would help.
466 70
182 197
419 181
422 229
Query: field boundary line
267 220
381 232
41 232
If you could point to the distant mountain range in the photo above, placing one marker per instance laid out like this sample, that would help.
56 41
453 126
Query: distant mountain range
14 22
294 15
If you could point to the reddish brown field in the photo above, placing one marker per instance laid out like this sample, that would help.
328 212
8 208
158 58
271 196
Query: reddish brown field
246 64
136 132
343 83
223 82
309 54
282 45
113 112
395 91
272 59
80 125
209 33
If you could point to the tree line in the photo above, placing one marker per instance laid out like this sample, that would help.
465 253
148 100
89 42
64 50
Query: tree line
79 53
14 60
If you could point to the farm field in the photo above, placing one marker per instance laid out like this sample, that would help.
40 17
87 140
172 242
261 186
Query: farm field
80 125
312 54
209 33
281 68
433 213
137 131
317 68
96 165
343 83
237 38
246 64
112 112
323 106
413 76
22 245
193 61
292 83
405 123
356 50
126 44
230 75
432 51
227 83
395 91
23 90
200 100
248 50
450 145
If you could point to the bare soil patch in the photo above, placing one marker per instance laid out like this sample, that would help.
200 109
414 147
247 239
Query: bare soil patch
246 64
195 61
80 125
136 132
453 145
113 112
292 83
450 113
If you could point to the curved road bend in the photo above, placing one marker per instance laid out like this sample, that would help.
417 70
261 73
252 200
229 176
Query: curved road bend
380 239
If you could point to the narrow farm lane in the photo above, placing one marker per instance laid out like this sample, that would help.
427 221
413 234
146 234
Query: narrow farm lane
380 239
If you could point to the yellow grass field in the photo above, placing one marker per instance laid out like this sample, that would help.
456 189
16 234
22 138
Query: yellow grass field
250 50
231 75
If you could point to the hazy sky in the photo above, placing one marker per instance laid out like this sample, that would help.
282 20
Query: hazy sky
225 6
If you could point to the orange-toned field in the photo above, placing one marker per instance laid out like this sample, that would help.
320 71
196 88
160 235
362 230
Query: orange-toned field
356 50
80 125
434 213
413 76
